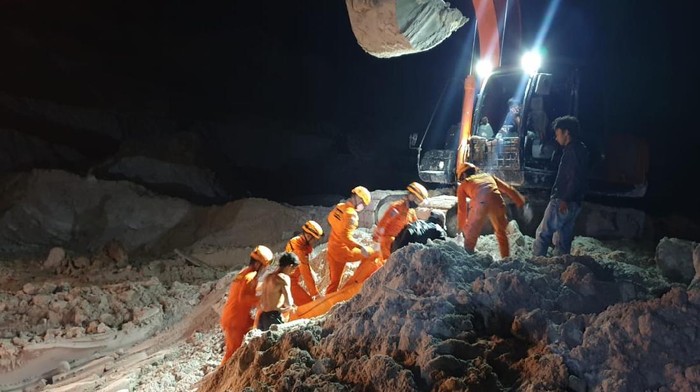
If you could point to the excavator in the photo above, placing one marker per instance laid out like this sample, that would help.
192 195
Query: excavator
518 102
521 152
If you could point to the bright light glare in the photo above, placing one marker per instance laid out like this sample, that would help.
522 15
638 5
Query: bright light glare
484 68
531 62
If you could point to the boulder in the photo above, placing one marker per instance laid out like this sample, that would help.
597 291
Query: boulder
674 257
43 209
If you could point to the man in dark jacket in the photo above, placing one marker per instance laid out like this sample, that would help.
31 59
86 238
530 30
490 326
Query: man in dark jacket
421 231
567 194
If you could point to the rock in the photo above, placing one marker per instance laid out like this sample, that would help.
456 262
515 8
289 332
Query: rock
603 222
115 251
108 319
92 327
102 328
576 384
185 180
58 305
48 288
81 262
30 289
58 208
63 367
75 332
19 342
55 259
674 257
41 300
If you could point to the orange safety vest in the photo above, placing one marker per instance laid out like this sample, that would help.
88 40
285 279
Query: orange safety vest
241 297
300 247
344 221
235 316
395 219
483 187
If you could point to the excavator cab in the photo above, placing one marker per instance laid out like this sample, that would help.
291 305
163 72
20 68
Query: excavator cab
508 128
520 108
511 137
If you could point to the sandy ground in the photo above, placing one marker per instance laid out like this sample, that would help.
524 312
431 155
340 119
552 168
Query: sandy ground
154 325
103 315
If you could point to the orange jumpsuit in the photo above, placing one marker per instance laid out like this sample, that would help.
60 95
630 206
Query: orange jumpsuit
484 190
394 220
300 247
235 317
342 248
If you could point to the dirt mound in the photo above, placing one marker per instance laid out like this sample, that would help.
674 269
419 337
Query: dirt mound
644 345
436 318
101 315
42 209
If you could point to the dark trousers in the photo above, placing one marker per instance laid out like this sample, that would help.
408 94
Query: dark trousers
267 319
555 222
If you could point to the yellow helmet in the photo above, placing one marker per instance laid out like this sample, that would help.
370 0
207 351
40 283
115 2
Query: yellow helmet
467 166
312 228
418 190
363 194
262 254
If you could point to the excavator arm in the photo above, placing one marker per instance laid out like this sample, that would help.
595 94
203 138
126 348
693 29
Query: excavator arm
390 28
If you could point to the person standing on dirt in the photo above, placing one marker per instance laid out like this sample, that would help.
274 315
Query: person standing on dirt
342 247
302 246
484 191
236 318
568 191
421 231
276 298
397 216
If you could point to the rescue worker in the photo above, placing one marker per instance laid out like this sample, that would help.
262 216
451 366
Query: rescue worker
276 300
568 191
421 231
484 191
342 247
236 318
302 246
397 216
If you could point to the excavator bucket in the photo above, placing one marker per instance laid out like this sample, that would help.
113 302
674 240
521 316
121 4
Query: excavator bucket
353 286
390 28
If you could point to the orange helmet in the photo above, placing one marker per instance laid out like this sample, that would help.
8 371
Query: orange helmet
363 194
418 190
313 229
463 169
263 254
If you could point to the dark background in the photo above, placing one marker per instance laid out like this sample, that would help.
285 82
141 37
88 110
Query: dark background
228 72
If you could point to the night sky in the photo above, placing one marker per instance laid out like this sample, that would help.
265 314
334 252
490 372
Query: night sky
298 64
